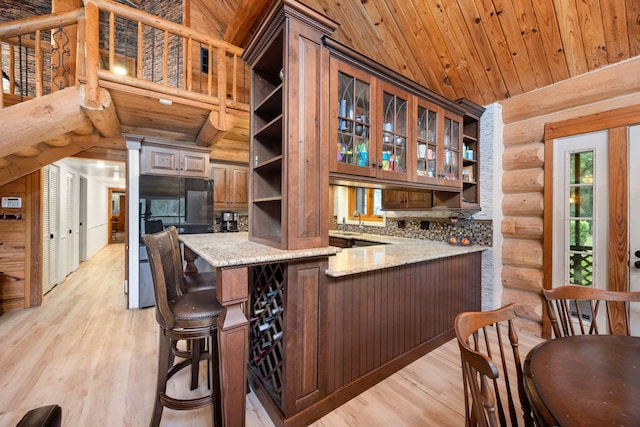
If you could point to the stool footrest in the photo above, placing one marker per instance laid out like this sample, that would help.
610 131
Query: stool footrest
185 404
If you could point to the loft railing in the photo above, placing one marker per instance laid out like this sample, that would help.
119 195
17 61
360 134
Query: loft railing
122 45
33 55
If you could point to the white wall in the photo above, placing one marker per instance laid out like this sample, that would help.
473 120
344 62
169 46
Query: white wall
491 201
97 217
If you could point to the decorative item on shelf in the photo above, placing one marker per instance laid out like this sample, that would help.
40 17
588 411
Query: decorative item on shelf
361 129
422 151
342 112
468 154
362 154
385 160
462 229
387 128
281 74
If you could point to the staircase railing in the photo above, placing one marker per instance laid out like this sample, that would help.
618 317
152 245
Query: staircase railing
120 45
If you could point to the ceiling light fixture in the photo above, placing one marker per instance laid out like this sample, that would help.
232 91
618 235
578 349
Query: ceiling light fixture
166 102
119 69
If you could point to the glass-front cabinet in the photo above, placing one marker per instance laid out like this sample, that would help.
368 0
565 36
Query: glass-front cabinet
394 137
369 125
428 126
352 122
450 174
380 130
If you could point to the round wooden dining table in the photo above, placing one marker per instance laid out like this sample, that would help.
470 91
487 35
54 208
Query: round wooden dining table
585 380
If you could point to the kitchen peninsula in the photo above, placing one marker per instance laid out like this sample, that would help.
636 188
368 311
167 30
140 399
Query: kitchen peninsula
327 323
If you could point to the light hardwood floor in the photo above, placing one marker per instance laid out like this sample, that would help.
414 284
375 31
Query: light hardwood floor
83 350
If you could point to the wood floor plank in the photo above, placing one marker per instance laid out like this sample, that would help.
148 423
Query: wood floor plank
83 350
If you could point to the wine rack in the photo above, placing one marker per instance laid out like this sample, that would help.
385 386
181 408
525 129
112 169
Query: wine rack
266 321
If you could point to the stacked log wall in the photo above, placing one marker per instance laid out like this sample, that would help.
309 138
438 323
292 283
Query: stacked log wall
524 118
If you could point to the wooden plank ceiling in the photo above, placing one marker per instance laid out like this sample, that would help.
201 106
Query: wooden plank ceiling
483 50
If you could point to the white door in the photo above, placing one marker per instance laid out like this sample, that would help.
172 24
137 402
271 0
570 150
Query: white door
634 223
82 238
580 210
70 258
50 229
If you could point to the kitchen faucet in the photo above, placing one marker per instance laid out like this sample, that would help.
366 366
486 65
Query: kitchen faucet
353 217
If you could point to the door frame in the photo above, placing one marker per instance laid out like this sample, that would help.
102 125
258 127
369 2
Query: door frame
616 123
111 191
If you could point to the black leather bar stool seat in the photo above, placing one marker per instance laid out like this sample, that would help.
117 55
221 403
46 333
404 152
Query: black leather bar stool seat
44 416
191 317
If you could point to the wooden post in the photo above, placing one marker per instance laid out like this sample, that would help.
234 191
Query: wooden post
233 342
93 53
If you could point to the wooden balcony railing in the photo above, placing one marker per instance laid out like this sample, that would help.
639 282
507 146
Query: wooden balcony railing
123 45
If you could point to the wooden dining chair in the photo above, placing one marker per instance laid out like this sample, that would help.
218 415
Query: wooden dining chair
575 309
492 368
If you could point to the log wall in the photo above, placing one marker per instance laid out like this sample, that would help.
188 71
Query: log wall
524 117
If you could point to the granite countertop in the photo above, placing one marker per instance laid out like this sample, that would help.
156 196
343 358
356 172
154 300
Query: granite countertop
236 250
392 252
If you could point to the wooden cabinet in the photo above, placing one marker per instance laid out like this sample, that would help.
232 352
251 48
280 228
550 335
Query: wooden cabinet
289 200
409 200
438 157
470 197
230 187
171 160
284 333
353 124
389 132
369 124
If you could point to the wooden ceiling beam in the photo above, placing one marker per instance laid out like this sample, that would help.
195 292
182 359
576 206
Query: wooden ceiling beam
103 117
21 166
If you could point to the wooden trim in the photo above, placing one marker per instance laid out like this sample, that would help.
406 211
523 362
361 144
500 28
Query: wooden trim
618 253
616 122
29 25
111 191
594 122
33 255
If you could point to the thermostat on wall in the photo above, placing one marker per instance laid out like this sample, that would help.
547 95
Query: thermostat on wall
12 202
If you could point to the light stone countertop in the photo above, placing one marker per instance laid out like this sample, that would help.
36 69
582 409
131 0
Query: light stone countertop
236 250
397 251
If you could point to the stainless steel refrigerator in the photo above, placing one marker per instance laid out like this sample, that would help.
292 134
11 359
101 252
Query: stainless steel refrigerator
186 203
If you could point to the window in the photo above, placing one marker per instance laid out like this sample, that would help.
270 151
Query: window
367 201
581 218
580 210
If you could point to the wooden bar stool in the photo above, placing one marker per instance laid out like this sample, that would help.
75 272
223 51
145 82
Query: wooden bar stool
191 282
182 316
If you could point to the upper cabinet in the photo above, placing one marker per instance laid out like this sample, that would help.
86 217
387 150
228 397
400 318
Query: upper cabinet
384 129
470 197
370 125
354 125
174 160
230 183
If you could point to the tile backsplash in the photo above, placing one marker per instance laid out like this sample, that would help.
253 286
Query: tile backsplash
480 232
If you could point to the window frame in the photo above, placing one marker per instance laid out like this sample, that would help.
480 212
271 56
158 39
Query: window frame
368 216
